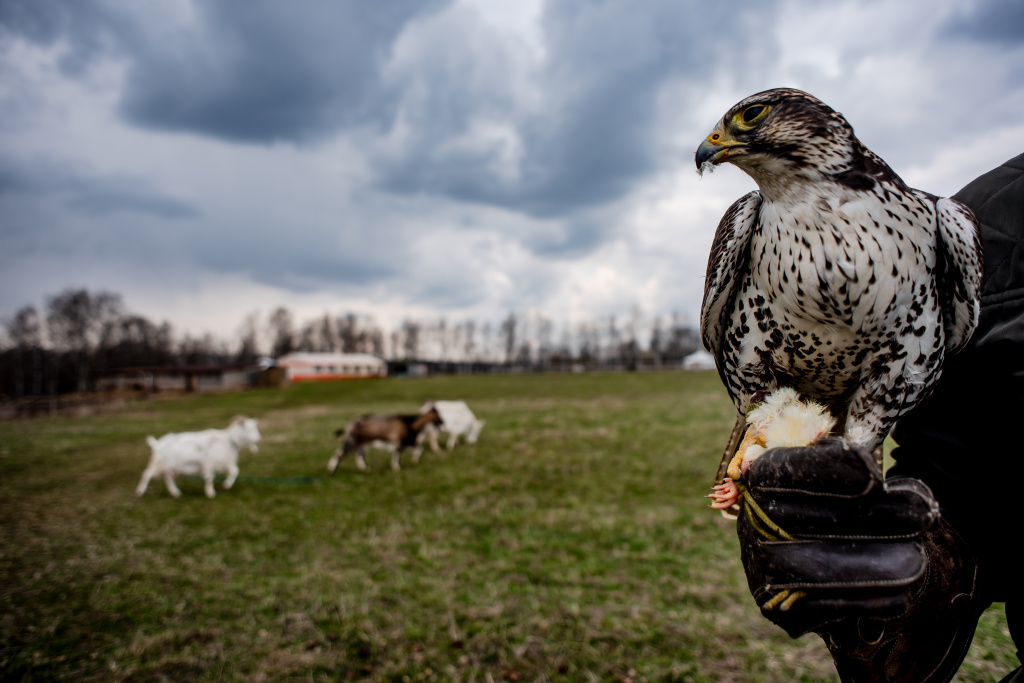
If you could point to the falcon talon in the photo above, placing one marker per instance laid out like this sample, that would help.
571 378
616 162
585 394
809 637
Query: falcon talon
776 600
791 600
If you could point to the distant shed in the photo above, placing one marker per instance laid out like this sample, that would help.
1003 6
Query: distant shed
699 360
306 367
198 378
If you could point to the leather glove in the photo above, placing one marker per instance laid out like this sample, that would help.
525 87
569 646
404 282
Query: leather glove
868 565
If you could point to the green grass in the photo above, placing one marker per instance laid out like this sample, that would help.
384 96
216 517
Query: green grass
572 543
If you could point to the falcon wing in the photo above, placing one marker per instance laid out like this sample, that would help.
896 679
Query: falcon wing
728 263
959 272
727 266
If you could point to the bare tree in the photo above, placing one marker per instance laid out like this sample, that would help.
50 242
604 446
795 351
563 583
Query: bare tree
396 343
566 343
683 339
363 335
589 342
375 341
487 333
80 330
135 341
306 341
25 330
282 332
327 340
525 354
359 334
508 335
628 348
249 348
411 334
204 350
545 330
526 342
349 333
318 336
657 341
76 320
442 338
611 348
469 340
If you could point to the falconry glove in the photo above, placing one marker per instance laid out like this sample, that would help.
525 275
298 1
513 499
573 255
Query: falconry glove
868 565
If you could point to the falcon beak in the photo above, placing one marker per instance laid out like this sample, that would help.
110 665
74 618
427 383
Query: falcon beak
715 149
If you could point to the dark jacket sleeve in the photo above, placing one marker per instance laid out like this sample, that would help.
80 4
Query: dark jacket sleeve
964 441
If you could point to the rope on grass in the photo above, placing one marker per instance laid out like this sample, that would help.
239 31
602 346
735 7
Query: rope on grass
266 480
281 480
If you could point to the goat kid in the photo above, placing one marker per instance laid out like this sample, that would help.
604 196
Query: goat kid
206 453
393 433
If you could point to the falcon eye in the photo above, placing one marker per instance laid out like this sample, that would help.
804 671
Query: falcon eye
751 115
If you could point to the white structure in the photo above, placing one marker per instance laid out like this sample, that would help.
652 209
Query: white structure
206 453
699 360
457 420
304 367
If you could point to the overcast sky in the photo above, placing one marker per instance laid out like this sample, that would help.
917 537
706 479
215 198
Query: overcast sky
461 158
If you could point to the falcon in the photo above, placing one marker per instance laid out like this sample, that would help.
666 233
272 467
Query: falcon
833 278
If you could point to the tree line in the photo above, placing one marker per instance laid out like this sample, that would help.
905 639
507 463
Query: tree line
59 349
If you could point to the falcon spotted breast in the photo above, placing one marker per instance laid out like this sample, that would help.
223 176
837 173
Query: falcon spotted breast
833 278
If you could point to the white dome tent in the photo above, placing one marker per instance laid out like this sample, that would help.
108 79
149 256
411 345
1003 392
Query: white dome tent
699 360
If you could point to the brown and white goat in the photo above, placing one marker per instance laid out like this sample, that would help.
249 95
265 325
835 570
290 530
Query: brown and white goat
394 433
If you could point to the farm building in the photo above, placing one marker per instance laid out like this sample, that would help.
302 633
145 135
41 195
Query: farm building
304 367
177 378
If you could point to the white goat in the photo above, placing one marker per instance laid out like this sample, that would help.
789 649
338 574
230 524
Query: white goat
456 420
206 453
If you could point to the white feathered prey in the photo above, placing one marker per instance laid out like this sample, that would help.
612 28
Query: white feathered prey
781 420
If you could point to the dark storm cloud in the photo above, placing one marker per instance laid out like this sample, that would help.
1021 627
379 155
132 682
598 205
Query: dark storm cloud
86 192
86 28
569 238
442 152
262 71
999 22
48 208
254 71
279 264
100 202
594 137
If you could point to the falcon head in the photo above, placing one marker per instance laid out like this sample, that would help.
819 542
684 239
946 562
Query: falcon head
782 135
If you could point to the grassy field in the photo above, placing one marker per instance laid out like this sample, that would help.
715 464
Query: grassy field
572 543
